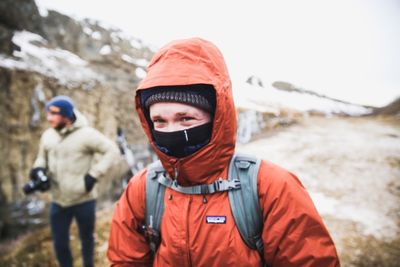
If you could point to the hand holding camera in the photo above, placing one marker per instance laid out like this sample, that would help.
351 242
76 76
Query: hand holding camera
38 181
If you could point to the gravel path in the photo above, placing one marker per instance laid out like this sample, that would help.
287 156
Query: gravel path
351 167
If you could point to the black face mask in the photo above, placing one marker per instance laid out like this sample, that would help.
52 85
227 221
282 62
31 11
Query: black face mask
183 143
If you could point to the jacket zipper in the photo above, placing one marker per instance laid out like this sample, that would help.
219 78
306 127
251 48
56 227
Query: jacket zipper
175 165
187 232
176 174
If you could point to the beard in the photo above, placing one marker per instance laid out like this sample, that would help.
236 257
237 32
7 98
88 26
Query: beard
60 126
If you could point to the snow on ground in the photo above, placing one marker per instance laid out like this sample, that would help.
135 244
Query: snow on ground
349 166
66 67
270 99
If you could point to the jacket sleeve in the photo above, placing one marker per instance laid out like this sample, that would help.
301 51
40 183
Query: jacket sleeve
41 158
98 143
293 232
126 246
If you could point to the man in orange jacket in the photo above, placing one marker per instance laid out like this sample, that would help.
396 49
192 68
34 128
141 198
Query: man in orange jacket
186 109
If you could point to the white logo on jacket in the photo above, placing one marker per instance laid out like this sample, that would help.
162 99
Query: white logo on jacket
216 219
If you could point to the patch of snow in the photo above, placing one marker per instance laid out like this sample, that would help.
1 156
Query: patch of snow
117 33
44 12
140 73
24 39
136 43
259 98
128 59
324 204
96 35
138 62
87 30
105 50
372 222
35 206
347 175
115 37
10 63
66 67
142 62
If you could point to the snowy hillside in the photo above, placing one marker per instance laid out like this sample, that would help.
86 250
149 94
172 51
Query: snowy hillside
35 55
271 100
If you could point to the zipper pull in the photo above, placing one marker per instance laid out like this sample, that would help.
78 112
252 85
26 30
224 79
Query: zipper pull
176 172
176 169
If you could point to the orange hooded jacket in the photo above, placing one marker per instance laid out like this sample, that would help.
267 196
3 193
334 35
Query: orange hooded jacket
293 232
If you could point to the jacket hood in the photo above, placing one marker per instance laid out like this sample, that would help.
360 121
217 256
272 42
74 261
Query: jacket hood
188 62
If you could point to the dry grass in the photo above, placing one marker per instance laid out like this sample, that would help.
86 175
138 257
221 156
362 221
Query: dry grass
36 248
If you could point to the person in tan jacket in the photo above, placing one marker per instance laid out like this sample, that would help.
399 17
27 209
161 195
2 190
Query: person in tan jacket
66 155
187 111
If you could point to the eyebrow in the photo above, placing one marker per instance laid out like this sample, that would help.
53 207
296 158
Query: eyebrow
155 116
181 113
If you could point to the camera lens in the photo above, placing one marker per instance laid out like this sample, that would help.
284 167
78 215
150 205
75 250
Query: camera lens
29 187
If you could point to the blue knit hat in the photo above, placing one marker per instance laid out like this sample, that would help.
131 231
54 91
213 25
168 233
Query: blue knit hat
62 105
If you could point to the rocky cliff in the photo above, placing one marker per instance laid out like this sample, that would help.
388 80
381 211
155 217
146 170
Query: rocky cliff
51 54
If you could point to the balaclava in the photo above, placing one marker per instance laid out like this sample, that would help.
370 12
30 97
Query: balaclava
185 142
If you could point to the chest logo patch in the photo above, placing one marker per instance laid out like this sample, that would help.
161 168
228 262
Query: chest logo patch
216 219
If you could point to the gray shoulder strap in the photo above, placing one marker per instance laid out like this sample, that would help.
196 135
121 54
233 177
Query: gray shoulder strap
154 204
244 203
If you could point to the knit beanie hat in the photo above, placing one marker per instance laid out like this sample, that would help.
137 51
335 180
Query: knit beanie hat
198 95
62 105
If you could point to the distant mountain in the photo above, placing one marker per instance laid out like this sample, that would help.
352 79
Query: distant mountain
391 109
283 96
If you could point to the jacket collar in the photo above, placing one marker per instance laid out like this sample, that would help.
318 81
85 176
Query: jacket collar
80 121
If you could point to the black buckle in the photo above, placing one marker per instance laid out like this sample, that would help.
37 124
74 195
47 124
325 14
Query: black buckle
204 189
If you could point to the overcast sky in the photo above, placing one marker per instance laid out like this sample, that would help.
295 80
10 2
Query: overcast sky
348 49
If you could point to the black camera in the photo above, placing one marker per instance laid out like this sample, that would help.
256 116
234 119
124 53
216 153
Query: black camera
39 181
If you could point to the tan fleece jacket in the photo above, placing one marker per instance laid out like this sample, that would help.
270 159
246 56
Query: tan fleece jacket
68 155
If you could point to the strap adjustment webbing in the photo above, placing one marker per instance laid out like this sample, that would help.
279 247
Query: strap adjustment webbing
219 185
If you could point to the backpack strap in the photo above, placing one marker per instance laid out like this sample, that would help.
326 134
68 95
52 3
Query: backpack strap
218 185
154 206
244 203
242 174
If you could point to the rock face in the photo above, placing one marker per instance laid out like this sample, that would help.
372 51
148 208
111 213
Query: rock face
41 57
21 15
6 45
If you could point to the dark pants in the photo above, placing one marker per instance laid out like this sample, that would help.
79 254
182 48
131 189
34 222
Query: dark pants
60 221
